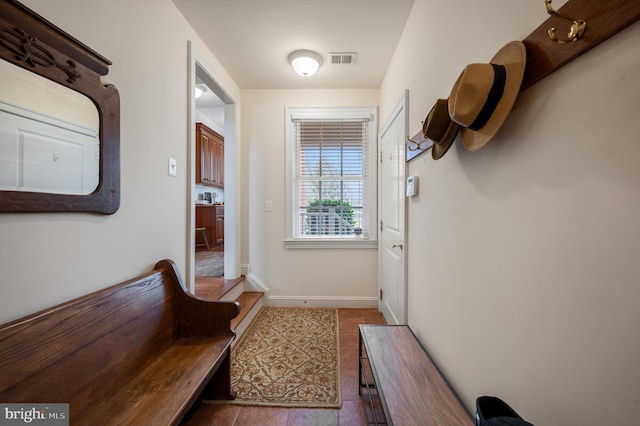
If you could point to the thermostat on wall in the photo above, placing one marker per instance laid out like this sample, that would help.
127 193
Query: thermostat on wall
412 186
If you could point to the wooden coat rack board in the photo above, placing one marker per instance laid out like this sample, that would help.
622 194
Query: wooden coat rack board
604 19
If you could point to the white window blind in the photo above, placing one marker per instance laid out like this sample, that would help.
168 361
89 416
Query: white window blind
332 179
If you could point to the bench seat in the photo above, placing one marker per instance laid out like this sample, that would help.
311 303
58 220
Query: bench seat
182 370
400 384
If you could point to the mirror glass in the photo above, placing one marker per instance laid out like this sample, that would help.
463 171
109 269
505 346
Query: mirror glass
49 135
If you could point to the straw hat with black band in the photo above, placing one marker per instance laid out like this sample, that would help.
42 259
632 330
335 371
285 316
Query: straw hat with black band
482 97
440 129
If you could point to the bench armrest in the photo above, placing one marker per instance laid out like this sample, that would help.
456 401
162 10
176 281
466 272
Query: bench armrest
194 316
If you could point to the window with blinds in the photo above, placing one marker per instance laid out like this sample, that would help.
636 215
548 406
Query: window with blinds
331 182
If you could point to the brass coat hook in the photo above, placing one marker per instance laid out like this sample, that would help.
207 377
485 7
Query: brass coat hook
414 144
577 26
411 143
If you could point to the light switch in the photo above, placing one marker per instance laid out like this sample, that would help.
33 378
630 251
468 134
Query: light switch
268 206
173 164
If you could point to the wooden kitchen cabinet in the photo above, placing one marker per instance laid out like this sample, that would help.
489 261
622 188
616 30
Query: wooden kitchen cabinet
219 161
209 157
210 216
219 226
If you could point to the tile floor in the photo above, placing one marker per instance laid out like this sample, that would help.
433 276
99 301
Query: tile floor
350 414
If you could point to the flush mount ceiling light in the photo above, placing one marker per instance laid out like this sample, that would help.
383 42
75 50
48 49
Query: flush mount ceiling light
200 89
305 62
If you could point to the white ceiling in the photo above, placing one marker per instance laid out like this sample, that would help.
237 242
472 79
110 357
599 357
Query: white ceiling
253 38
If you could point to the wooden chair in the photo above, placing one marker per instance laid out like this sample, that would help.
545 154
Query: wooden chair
203 232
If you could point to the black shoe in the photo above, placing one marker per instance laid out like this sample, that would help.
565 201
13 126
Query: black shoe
492 411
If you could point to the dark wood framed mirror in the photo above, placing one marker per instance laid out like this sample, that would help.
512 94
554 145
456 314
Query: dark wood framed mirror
67 163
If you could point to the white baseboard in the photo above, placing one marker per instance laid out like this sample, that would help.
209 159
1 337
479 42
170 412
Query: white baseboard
323 302
245 269
253 283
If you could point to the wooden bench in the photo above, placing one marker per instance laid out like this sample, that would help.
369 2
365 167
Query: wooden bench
140 352
400 384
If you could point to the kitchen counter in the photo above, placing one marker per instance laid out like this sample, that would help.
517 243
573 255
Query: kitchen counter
212 219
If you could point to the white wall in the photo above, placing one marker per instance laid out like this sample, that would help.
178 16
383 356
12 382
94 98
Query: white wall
212 118
523 269
49 258
317 276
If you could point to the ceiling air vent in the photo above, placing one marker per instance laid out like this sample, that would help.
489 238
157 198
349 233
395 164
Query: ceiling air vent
346 58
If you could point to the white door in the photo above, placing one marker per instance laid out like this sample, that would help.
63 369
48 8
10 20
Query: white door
391 250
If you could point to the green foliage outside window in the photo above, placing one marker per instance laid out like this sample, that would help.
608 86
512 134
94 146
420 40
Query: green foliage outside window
319 222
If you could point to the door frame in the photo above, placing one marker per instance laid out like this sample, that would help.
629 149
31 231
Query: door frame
231 167
402 106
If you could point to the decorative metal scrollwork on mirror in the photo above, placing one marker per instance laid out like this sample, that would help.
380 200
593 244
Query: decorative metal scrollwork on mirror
59 125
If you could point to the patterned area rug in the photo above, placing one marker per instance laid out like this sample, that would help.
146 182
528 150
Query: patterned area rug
289 357
209 264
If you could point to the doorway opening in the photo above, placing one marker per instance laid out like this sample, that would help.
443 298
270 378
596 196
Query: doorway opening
209 178
213 251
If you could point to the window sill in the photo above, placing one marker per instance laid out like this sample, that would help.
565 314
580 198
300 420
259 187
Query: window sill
330 244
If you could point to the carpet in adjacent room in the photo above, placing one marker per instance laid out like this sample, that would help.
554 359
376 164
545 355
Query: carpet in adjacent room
209 263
